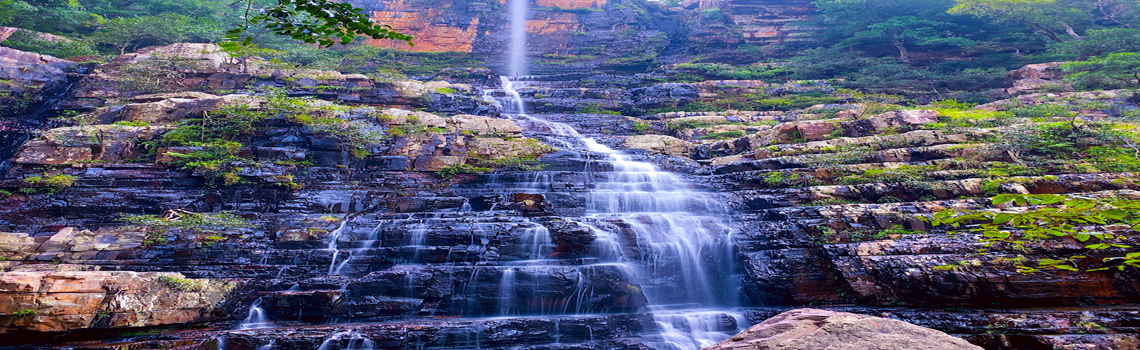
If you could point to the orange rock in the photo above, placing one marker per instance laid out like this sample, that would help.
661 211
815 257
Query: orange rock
429 37
559 23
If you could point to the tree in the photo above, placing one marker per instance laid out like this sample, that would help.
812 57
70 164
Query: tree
1118 70
1047 17
125 33
311 21
900 25
1102 42
52 16
903 31
1055 19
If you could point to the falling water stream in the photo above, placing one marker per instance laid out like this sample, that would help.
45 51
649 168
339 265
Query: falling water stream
681 252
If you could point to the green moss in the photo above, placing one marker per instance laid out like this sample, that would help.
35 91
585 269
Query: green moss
725 135
178 283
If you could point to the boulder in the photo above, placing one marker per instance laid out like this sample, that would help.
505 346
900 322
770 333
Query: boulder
169 108
110 143
1038 76
395 116
660 144
412 88
811 329
816 131
488 126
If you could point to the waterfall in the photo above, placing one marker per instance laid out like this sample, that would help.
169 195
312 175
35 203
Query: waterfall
516 62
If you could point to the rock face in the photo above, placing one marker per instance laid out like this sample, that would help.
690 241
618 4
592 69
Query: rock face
26 76
64 301
810 329
571 27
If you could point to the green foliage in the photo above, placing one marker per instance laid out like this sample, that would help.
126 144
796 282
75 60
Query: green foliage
52 183
971 118
789 179
903 173
382 63
724 135
1055 20
1051 217
1050 143
311 21
728 72
64 48
218 134
595 108
1118 70
1102 42
129 33
131 123
190 221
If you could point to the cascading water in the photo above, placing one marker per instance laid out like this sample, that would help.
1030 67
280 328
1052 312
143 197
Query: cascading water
256 318
679 237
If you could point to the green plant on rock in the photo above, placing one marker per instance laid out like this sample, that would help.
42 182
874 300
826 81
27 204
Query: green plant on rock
451 170
187 220
1099 224
724 135
903 173
178 283
1030 145
25 312
51 183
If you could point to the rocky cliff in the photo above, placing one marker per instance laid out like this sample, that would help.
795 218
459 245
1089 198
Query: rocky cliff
189 200
571 35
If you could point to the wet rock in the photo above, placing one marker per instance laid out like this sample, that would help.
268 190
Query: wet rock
820 329
26 76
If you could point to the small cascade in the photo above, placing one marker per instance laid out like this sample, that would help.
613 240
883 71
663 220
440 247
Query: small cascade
507 292
695 330
256 318
334 238
268 346
347 340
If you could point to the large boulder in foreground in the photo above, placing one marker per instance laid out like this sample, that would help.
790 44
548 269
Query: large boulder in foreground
811 329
